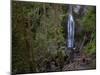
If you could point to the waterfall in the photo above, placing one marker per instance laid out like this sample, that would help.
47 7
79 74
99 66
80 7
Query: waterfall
70 29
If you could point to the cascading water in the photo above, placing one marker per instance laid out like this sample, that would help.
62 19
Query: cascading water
70 29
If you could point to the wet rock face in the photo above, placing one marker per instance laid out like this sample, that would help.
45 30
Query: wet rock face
76 8
80 9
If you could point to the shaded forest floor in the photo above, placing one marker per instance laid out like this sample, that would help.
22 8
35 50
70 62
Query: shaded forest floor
79 62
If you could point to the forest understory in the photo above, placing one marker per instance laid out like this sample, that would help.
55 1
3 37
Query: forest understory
39 38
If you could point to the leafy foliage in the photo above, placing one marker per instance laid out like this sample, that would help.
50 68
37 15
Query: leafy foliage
39 35
89 21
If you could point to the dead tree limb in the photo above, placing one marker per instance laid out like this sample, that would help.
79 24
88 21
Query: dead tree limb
81 46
